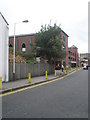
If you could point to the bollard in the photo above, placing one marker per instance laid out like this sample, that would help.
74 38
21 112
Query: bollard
60 72
55 73
29 77
0 83
46 74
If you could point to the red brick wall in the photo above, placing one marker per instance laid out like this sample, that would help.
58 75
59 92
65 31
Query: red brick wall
20 40
66 47
11 41
66 51
71 54
26 39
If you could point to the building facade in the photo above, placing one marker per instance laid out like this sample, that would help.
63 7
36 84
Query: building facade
73 56
64 38
4 41
23 44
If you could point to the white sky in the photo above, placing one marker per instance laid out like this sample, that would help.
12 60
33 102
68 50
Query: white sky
71 14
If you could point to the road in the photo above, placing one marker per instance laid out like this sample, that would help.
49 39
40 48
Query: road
65 98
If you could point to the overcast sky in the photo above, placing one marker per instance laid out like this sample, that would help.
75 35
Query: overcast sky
72 15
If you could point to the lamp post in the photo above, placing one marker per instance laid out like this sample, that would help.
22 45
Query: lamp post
25 21
64 57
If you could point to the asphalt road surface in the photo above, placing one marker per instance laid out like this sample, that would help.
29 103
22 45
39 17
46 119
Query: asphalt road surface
66 98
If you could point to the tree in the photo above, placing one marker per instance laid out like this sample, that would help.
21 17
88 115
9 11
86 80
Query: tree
48 43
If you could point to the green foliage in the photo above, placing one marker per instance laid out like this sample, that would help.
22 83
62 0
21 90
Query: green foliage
11 49
48 42
30 56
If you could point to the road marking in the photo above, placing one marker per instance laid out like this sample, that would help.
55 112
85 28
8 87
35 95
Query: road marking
44 83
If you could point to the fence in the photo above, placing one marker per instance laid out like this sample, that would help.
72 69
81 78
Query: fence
22 70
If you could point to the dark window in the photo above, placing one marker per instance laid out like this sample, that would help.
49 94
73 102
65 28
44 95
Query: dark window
23 45
30 39
64 44
10 45
75 56
64 38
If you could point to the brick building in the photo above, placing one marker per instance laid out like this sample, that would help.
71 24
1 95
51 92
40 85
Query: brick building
23 43
64 38
73 57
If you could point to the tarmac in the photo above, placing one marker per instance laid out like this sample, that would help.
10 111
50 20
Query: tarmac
22 83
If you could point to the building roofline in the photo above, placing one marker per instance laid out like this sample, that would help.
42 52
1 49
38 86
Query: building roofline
73 46
4 18
64 33
84 53
22 35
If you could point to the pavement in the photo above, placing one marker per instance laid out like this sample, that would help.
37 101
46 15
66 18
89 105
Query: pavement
14 85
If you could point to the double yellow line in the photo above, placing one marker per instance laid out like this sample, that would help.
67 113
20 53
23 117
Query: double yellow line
33 86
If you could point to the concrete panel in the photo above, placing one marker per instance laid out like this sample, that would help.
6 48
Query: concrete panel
38 68
30 69
42 69
35 69
17 72
23 71
10 72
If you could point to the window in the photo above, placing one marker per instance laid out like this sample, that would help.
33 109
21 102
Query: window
30 43
70 53
64 38
30 39
64 44
11 45
23 47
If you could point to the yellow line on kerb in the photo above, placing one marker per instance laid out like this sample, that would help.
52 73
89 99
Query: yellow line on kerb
22 89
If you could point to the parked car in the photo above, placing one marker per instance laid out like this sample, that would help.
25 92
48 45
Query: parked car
88 66
85 67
